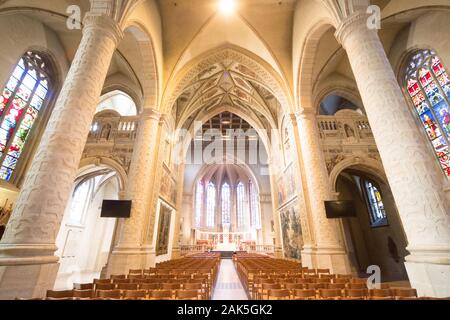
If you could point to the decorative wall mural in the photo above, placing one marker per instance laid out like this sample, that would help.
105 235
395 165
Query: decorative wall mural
168 187
292 232
287 185
162 242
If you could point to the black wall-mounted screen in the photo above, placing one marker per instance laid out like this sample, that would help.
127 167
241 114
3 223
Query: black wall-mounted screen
340 209
116 209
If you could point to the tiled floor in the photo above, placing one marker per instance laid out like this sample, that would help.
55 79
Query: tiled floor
228 285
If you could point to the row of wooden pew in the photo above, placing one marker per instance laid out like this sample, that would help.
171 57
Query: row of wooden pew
265 278
190 278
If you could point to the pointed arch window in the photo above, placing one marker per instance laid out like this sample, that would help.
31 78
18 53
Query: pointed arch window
226 204
199 200
377 210
210 205
241 212
428 85
254 206
21 101
80 201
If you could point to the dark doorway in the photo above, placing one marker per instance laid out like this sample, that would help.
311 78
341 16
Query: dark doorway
376 235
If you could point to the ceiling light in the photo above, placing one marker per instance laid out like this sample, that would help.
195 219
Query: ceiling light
227 7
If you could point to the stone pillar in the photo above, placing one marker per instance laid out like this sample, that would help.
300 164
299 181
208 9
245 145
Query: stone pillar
28 266
303 199
132 251
278 246
328 250
416 183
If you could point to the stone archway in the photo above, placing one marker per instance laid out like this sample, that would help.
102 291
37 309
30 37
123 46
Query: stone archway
369 243
85 238
366 164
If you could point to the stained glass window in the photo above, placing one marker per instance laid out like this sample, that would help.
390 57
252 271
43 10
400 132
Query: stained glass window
254 206
429 88
241 212
376 206
20 103
199 203
210 205
226 204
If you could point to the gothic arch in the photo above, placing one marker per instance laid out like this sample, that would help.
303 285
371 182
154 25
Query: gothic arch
116 84
103 161
347 90
264 75
254 121
305 85
369 165
236 31
242 165
148 73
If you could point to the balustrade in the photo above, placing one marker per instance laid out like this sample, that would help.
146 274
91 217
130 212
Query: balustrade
345 126
113 130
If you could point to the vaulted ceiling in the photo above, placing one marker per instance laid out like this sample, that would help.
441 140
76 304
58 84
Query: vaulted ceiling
226 84
184 30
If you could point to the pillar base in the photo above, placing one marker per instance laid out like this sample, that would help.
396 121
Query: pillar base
278 253
335 259
176 254
27 270
122 259
27 281
429 272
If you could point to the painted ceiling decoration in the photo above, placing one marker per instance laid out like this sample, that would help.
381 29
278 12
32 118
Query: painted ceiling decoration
226 83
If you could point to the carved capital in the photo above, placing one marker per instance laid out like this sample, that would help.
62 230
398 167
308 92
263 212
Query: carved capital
356 22
103 24
304 113
165 120
151 114
341 10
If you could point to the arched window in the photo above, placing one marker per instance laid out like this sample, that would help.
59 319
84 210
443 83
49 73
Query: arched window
210 205
199 203
20 104
80 201
254 205
118 101
226 204
429 87
377 211
241 212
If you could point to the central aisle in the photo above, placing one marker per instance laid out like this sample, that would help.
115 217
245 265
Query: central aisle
228 285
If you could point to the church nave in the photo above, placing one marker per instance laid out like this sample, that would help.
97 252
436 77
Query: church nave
224 150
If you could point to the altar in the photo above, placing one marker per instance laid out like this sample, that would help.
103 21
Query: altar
227 242
226 247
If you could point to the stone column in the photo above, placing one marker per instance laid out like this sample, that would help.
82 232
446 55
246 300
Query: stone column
278 246
416 183
132 251
328 250
28 266
303 199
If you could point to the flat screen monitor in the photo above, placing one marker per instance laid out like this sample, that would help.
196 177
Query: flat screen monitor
340 209
116 209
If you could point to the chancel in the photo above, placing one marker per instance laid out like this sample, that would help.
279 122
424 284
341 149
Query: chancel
224 150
